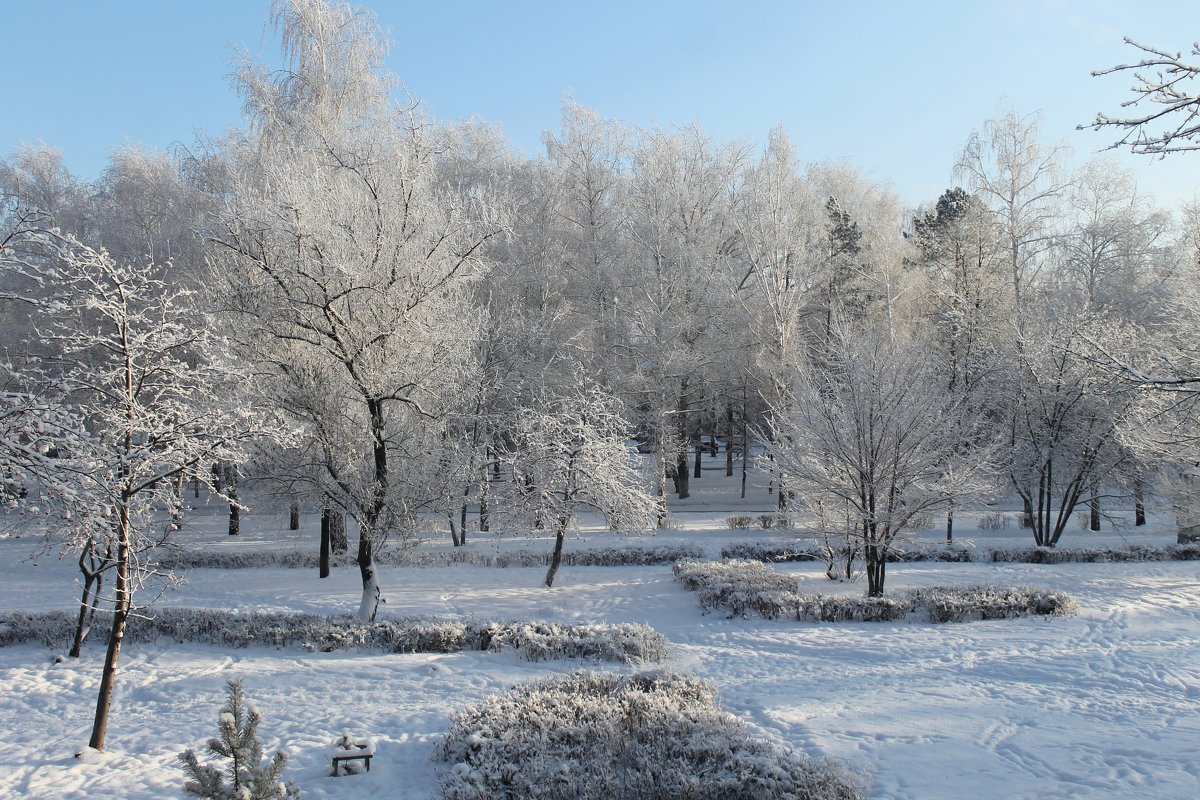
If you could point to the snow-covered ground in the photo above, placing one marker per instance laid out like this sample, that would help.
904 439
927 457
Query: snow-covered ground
1103 705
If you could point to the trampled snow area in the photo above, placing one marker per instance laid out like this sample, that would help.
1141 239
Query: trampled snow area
1103 705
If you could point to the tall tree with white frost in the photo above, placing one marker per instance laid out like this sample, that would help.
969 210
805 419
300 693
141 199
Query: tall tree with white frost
348 261
869 430
145 372
572 452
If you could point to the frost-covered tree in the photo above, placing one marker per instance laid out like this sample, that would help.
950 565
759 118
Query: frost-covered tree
144 370
246 776
1018 179
869 432
1171 119
571 452
347 261
1066 415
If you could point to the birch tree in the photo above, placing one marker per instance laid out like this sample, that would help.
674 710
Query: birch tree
347 263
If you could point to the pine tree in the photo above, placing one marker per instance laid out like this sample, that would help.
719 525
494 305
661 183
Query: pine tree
249 777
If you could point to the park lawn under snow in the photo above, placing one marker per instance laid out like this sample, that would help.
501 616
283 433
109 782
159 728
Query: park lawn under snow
1106 704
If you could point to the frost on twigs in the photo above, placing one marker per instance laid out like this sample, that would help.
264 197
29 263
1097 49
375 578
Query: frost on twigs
246 775
597 735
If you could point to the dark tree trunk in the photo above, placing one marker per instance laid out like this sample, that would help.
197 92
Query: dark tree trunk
196 488
454 539
699 451
556 558
366 570
338 542
1094 511
294 516
121 606
876 557
484 489
235 513
1139 505
729 441
92 566
326 525
950 525
682 486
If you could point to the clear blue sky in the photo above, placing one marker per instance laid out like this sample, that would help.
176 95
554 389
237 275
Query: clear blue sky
893 87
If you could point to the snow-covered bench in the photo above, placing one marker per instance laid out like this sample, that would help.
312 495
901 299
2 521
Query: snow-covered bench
348 749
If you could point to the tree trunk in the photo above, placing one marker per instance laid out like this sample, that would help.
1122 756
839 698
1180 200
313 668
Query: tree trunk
729 441
326 525
235 512
454 540
876 558
556 559
294 516
369 606
338 541
1139 505
745 441
484 488
122 604
1094 511
92 567
699 451
177 503
950 525
196 487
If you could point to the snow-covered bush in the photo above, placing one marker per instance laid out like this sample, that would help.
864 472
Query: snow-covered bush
535 641
1096 555
630 556
598 736
739 522
249 777
741 588
811 550
744 588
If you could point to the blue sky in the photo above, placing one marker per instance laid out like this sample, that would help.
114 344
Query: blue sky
893 87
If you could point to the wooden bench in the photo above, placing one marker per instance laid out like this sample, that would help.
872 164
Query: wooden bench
347 749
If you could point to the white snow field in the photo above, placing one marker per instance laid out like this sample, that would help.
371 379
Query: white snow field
1102 705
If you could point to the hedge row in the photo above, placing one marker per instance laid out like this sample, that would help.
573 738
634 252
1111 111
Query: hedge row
912 552
535 641
592 557
598 736
749 588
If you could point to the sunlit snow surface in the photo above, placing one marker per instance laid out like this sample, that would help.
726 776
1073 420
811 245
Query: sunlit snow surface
1103 705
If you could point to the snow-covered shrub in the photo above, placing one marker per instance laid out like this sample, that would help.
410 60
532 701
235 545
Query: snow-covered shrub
741 588
599 736
769 521
836 608
961 604
811 550
739 522
535 641
744 588
249 777
1096 555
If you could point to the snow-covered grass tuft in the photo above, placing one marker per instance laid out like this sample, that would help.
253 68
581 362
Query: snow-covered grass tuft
534 641
598 736
750 588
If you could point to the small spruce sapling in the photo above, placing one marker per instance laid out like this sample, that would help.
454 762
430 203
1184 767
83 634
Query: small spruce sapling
249 778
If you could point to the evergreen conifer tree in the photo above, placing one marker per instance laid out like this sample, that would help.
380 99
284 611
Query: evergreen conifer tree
249 778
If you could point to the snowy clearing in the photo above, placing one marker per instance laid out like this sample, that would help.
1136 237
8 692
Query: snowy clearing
1105 704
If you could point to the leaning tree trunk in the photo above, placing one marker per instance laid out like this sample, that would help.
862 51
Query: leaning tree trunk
121 606
560 532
